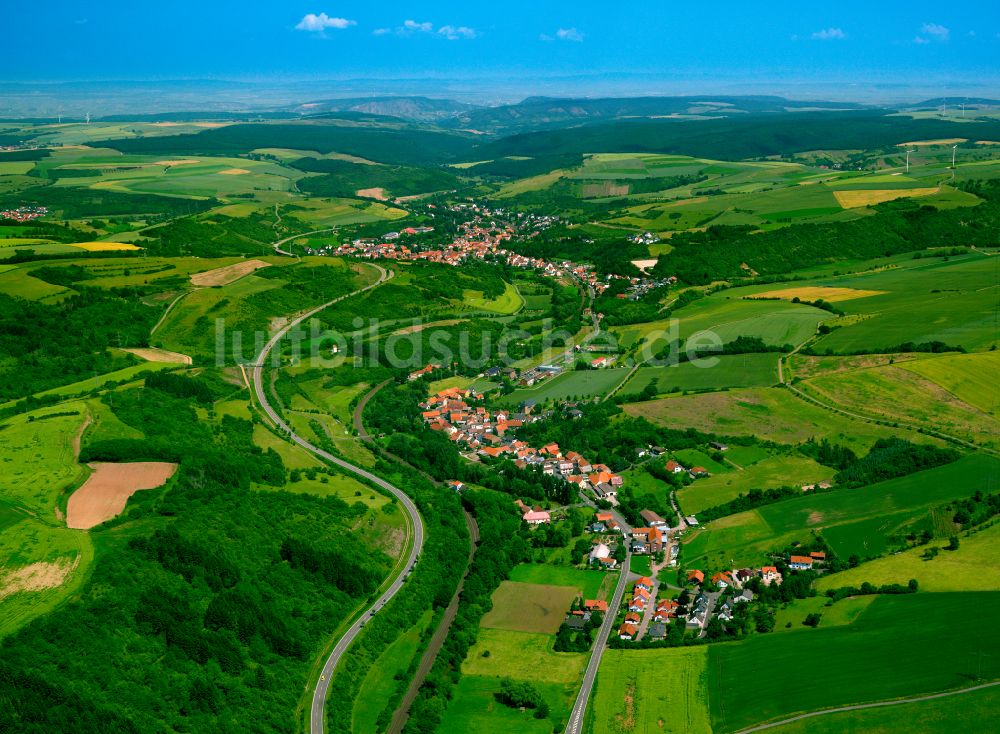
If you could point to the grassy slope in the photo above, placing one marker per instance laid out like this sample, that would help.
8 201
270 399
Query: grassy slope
777 471
852 520
769 413
971 568
900 646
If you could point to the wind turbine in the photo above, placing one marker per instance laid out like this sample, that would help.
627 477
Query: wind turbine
908 151
88 118
953 149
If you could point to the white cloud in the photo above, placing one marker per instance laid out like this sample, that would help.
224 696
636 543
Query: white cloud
318 23
938 32
412 25
454 33
563 34
920 41
381 31
829 34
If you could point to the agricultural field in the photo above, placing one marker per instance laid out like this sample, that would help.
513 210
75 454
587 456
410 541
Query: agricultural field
773 472
587 583
711 373
970 568
969 377
852 521
772 414
651 691
898 394
529 607
900 638
775 322
939 716
106 491
948 301
578 384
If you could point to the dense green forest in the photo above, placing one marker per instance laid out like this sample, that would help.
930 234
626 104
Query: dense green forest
46 345
204 612
752 136
344 178
386 144
901 226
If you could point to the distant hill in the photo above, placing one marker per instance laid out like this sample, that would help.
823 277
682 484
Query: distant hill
956 101
540 113
421 109
736 137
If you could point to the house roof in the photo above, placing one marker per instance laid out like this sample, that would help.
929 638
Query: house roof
801 559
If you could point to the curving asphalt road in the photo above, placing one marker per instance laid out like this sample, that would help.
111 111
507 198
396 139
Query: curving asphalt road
316 720
575 724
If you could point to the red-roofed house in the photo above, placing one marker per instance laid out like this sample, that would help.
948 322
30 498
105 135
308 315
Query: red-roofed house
696 577
800 563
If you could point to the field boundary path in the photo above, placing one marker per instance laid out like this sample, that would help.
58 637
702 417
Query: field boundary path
860 706
576 716
316 716
277 245
402 712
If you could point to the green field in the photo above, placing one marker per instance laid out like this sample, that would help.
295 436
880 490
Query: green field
571 384
587 583
775 322
900 394
773 414
851 520
970 568
964 712
969 377
952 302
776 471
39 458
509 302
652 691
908 644
691 458
474 708
522 655
529 607
37 469
741 370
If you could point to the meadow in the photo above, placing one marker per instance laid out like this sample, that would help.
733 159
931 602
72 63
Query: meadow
898 394
970 568
909 644
965 712
947 301
853 521
43 561
579 384
776 471
529 607
772 414
969 377
652 691
381 682
737 370
587 583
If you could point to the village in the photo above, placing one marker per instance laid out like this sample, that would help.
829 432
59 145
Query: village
653 603
24 213
483 238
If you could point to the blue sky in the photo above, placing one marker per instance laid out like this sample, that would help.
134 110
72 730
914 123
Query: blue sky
843 41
